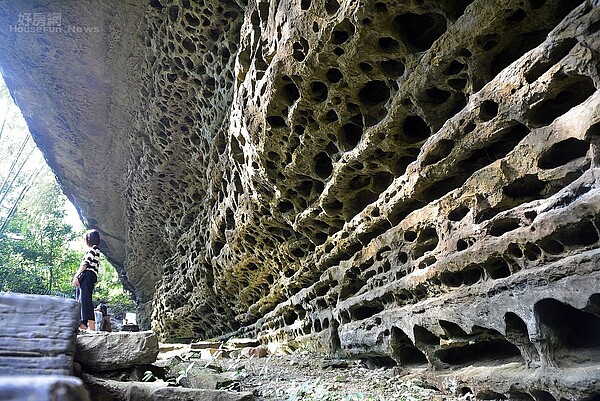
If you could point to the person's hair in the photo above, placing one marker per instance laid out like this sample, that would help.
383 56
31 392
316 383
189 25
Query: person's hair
92 237
103 309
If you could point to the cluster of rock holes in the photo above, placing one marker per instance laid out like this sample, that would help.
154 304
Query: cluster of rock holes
376 92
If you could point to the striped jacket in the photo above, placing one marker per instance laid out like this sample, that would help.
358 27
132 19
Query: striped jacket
91 259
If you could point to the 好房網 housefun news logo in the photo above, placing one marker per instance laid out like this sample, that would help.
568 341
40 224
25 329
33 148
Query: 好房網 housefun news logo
48 23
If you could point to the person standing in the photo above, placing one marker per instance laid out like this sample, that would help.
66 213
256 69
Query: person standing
86 277
98 316
105 324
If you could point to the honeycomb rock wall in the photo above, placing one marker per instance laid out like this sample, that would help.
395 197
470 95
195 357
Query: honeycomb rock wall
413 183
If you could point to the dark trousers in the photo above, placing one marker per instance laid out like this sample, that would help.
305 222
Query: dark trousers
87 281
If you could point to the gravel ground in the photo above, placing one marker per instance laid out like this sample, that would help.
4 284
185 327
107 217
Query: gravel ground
304 376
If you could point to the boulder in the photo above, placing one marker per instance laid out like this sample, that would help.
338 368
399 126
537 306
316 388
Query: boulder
42 388
197 375
111 351
37 334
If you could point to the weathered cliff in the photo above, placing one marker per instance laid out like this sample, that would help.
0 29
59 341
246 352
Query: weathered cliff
412 182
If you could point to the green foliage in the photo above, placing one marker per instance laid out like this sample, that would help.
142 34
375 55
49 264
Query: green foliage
39 251
35 256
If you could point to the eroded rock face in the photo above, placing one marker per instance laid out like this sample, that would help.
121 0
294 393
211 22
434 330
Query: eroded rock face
411 182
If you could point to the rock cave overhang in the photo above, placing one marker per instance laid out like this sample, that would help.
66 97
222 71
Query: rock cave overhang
412 183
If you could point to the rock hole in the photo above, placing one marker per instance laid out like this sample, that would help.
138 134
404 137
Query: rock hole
393 68
472 274
381 181
485 352
305 4
488 110
518 47
339 36
289 317
516 17
568 330
156 4
362 199
575 93
388 44
517 333
458 214
496 268
351 135
416 128
542 395
563 152
439 151
404 351
319 91
461 245
435 96
558 51
410 236
452 279
427 241
515 251
323 165
365 310
529 186
300 49
454 68
424 336
579 234
399 168
285 206
380 7
502 226
374 93
334 75
331 117
465 391
291 93
519 396
331 6
551 246
365 67
189 45
532 252
263 10
350 287
419 31
276 122
458 84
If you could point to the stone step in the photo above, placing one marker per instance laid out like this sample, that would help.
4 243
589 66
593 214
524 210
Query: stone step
113 390
111 351
37 334
42 388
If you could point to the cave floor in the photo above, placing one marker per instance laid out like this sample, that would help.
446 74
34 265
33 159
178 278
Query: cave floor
306 376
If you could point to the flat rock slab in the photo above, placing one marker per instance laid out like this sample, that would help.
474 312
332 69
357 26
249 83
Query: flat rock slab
112 351
156 391
37 334
42 388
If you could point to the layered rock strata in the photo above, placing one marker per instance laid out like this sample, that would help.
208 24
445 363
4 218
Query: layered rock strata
412 182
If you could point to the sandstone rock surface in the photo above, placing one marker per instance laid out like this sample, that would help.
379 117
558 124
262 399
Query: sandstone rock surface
112 351
415 183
